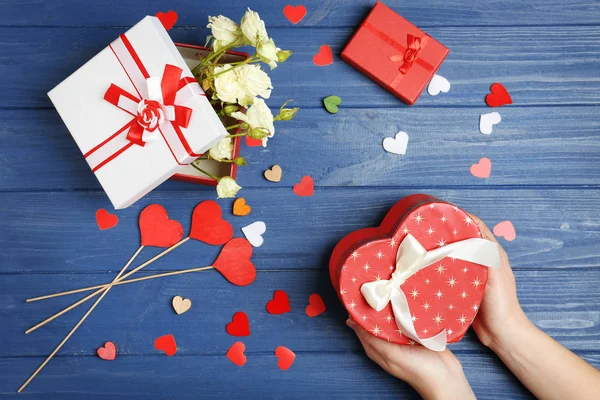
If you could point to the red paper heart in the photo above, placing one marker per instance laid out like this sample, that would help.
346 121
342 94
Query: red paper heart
306 186
294 14
236 354
324 56
234 262
250 142
280 303
498 97
208 225
316 305
482 169
108 352
285 357
239 325
167 344
167 20
156 229
106 220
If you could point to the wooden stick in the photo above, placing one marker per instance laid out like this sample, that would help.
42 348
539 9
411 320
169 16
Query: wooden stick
61 344
183 271
150 261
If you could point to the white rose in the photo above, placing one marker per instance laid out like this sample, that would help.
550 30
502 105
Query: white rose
227 85
222 150
268 52
224 30
254 81
227 187
258 116
253 27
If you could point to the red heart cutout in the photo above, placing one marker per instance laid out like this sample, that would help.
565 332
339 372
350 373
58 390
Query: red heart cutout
156 229
285 357
280 303
234 262
236 354
316 305
167 20
208 225
306 186
294 14
167 344
324 56
498 97
505 229
108 352
239 325
250 142
106 220
482 169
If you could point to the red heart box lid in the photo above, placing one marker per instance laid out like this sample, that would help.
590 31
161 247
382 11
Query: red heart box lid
444 295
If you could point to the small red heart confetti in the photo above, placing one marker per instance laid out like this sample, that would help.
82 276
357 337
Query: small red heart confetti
294 14
156 229
208 225
167 19
498 97
167 344
234 262
250 142
285 357
236 354
108 352
239 325
306 187
482 169
506 230
105 220
324 56
280 303
316 305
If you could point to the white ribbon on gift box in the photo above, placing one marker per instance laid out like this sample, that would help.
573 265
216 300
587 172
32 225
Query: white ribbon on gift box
411 258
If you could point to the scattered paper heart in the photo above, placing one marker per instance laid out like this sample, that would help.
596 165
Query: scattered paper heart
506 230
208 225
105 220
482 169
156 229
316 305
239 325
324 56
167 19
234 262
250 142
108 352
240 208
306 186
254 231
166 344
273 174
498 97
280 303
236 354
331 103
487 122
438 84
285 357
294 14
181 305
397 144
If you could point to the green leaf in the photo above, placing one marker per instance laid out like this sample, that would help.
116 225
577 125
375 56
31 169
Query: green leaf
331 103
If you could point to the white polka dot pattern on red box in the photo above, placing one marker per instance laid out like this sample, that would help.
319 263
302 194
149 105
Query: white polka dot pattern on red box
445 295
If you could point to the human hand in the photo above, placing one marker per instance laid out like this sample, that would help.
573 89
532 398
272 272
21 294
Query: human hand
435 375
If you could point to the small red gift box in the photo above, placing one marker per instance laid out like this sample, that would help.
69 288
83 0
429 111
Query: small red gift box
418 277
394 53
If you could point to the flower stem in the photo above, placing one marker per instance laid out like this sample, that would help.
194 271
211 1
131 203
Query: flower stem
238 134
204 172
233 126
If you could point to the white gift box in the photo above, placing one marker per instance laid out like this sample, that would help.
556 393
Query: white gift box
136 113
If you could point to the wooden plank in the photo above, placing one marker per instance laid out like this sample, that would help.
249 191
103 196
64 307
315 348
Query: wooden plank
56 232
526 148
347 13
539 66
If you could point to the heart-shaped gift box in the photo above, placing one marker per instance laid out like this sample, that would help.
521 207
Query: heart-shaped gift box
424 268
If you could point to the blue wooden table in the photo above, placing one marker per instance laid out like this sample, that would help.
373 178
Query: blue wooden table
545 179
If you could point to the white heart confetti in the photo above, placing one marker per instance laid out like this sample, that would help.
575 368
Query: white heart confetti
438 84
397 144
253 233
487 122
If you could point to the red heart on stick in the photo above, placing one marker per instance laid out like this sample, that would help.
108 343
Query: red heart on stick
208 225
498 97
280 303
285 357
167 19
294 14
316 305
239 325
108 352
324 56
236 354
167 344
306 186
156 229
234 262
106 220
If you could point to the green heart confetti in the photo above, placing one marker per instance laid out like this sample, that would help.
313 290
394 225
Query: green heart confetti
331 103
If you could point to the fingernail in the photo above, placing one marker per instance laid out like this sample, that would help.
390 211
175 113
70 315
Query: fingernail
350 323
